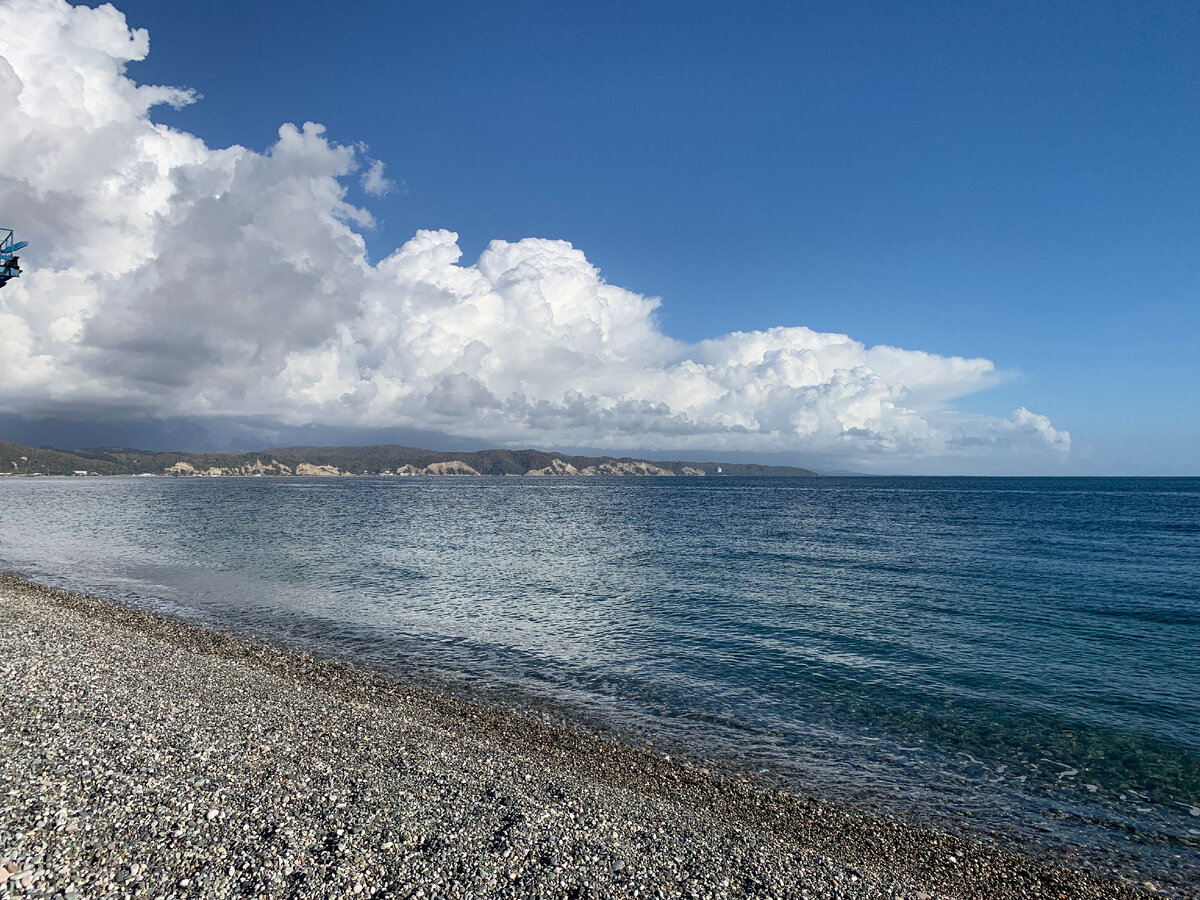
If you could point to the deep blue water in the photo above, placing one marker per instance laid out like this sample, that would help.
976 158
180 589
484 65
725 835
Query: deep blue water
1021 655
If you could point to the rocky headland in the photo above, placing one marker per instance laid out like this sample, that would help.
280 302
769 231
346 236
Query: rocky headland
377 460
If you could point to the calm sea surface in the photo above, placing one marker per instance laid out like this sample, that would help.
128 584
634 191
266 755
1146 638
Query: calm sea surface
1019 655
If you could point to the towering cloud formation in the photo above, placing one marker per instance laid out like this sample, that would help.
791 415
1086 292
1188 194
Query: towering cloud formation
173 277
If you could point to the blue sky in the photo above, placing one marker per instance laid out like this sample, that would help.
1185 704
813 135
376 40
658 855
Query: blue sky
1018 182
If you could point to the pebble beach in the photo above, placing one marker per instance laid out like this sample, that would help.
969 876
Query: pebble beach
144 756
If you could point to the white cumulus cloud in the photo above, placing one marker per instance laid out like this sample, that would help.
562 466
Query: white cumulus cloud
374 182
169 277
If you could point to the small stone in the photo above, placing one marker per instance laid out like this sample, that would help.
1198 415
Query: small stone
212 814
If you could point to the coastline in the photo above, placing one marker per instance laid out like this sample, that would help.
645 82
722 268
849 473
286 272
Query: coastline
147 756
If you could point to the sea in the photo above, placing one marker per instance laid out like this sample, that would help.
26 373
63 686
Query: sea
1014 657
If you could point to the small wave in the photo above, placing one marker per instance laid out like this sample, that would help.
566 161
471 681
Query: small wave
1068 771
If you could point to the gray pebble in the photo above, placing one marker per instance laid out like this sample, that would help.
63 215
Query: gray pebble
195 764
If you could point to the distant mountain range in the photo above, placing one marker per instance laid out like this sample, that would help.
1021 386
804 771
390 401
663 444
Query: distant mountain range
381 459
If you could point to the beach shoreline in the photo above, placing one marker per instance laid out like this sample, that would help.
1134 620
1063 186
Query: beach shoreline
142 755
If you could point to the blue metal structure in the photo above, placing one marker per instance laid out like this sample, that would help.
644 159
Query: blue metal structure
8 258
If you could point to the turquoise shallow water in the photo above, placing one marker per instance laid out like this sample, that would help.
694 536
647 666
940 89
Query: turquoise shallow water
1019 655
